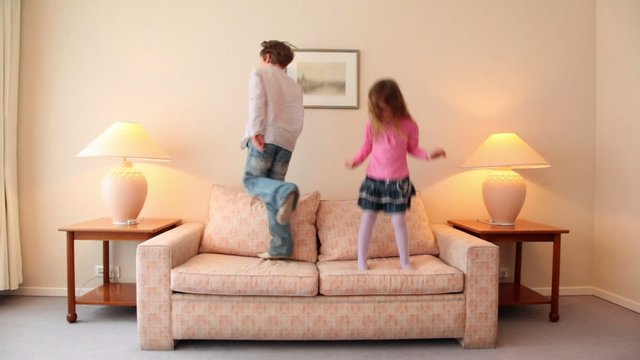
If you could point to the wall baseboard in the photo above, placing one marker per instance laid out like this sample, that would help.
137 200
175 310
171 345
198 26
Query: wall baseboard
617 299
41 291
567 291
564 291
603 294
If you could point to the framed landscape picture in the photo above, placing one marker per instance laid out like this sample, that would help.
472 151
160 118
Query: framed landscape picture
329 78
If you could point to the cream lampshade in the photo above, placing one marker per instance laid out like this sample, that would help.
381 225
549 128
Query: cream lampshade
504 190
124 189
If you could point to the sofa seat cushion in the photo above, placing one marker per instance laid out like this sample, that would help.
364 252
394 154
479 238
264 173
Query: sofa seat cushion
221 274
384 277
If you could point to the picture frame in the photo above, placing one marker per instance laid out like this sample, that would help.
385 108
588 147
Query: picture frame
329 78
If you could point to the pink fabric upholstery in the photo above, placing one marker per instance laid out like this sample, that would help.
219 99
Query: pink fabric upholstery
154 260
480 263
317 317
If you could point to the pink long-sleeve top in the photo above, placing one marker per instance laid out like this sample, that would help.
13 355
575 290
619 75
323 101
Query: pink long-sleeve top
389 150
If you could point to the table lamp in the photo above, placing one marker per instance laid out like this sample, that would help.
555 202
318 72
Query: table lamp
124 189
504 190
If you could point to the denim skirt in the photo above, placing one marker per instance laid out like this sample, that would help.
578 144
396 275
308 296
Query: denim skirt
390 196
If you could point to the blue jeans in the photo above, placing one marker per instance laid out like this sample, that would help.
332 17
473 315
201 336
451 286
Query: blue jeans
264 177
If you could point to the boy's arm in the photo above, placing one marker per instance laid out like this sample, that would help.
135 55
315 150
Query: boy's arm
258 142
257 106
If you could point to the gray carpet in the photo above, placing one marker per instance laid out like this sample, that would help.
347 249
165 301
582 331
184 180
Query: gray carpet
589 328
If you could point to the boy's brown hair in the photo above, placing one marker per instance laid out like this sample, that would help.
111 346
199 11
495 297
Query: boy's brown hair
280 51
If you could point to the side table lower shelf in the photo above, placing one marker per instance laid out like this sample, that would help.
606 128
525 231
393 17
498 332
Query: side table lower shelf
512 294
116 294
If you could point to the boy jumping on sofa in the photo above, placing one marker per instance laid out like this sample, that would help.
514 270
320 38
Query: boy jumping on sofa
275 121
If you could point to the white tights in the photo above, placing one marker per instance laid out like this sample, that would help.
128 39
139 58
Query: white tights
399 223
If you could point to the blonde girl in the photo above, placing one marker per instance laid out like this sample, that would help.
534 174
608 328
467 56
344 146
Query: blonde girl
390 135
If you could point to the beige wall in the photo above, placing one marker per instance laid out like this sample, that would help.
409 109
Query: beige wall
616 270
467 68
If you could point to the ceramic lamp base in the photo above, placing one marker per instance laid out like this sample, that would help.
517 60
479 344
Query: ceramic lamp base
503 192
124 191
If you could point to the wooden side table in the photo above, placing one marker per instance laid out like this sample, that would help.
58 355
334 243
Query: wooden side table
117 294
523 231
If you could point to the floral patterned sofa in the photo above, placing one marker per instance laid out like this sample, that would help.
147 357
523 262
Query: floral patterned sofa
204 281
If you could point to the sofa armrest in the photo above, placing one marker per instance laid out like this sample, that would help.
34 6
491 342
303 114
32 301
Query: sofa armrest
479 261
154 260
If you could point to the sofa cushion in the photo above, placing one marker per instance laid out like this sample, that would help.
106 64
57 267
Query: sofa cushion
238 225
220 274
339 221
384 277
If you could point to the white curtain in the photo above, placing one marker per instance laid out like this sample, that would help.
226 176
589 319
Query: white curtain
10 257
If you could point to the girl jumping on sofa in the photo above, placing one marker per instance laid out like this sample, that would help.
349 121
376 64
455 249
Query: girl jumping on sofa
390 134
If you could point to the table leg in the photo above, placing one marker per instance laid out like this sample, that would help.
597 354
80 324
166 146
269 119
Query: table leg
71 279
555 279
517 272
106 269
518 265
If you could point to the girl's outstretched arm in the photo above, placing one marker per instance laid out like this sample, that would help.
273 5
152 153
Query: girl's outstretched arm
438 152
365 150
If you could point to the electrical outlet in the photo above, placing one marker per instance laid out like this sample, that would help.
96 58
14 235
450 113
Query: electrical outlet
114 271
504 273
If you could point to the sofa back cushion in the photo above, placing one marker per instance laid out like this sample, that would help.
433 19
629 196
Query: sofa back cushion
238 225
339 221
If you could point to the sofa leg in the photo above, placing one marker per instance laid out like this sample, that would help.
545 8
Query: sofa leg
477 344
158 345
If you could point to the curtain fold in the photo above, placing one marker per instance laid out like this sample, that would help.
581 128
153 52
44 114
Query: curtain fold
10 254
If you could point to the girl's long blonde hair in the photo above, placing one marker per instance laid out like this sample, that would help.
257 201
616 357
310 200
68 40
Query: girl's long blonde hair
388 92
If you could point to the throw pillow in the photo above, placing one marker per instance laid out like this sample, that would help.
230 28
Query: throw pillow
238 225
339 221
